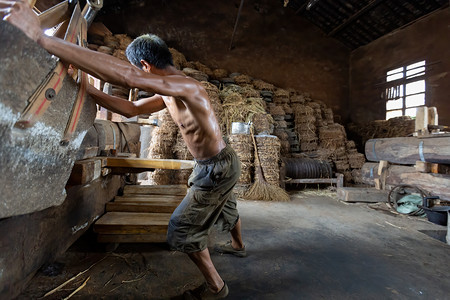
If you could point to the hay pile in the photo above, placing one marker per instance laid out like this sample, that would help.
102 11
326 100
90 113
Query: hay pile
242 144
269 156
395 127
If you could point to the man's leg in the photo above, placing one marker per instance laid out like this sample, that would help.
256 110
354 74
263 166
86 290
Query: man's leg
203 261
236 237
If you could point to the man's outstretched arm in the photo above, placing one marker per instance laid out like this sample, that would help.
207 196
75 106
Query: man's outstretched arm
127 108
100 65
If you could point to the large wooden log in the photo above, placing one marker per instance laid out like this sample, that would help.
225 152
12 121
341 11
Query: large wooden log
435 184
369 172
408 150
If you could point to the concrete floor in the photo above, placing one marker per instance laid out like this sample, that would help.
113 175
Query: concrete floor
313 247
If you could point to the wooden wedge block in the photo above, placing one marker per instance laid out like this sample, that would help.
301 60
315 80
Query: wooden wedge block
141 207
132 238
351 194
156 189
132 223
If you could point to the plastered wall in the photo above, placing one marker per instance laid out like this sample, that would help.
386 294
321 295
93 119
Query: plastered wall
426 39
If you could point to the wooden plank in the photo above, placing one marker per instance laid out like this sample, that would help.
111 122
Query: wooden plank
132 238
352 194
145 200
146 163
141 207
132 223
179 189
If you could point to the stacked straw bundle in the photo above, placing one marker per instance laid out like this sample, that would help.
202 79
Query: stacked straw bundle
181 152
114 45
196 74
214 97
219 73
262 123
161 146
242 144
269 156
305 127
281 96
202 68
179 60
242 79
262 85
239 109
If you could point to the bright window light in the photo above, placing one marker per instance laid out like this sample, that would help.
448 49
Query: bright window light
405 95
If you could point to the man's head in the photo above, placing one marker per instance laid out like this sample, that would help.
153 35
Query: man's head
150 49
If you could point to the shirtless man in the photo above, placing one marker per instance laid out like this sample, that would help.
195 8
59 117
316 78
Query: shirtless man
210 197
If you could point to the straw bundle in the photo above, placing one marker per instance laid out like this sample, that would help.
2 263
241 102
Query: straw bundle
124 40
242 144
182 176
356 160
288 109
395 127
242 79
332 136
277 110
213 94
281 96
261 188
238 109
269 156
263 123
357 176
163 137
247 91
196 74
297 99
161 146
263 86
202 68
179 60
105 49
219 73
111 41
119 53
180 149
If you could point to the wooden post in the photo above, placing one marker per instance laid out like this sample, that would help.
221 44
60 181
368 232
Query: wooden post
380 183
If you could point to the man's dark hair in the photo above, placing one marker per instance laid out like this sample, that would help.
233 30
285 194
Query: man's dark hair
150 48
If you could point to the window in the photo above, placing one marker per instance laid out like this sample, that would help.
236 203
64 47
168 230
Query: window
405 90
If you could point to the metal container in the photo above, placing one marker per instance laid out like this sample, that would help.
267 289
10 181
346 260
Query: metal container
240 128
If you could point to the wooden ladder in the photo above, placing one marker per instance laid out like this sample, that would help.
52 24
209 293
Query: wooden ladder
141 215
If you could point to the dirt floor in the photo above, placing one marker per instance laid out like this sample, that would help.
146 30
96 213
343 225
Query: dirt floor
314 247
